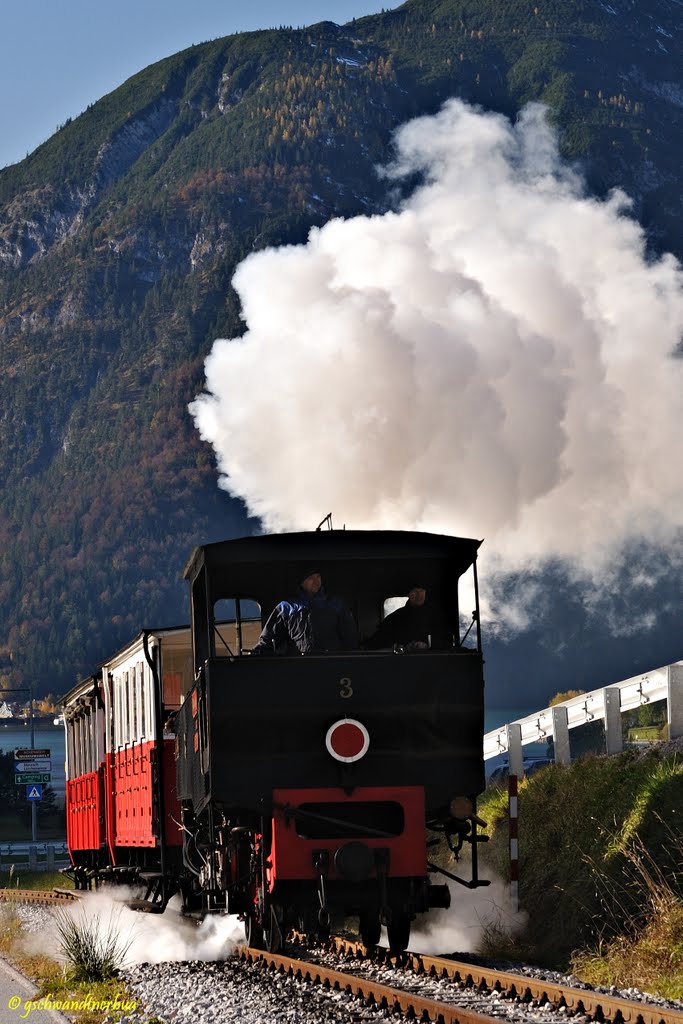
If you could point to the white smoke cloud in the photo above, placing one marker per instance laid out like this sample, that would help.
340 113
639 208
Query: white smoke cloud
472 915
145 938
495 359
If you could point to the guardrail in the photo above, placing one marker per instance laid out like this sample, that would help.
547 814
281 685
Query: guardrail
607 703
45 856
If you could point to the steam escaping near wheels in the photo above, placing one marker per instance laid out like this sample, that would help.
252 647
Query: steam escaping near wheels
150 938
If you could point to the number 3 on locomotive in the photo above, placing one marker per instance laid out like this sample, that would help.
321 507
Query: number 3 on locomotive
345 688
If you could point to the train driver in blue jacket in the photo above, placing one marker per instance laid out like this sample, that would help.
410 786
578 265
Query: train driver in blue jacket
311 622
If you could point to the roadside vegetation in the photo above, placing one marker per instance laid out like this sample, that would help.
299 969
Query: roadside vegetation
91 956
600 868
15 877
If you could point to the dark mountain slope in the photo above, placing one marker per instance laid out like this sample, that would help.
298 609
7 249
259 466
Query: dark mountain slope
119 237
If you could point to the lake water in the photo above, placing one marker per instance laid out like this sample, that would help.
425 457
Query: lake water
52 737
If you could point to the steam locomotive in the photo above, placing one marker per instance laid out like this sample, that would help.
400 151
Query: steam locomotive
286 789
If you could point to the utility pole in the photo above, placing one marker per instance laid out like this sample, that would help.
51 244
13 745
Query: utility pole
34 804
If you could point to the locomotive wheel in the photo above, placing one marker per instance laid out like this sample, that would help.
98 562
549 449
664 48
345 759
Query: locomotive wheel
254 932
370 928
398 932
272 931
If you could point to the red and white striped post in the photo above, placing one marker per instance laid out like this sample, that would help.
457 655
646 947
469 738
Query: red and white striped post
514 844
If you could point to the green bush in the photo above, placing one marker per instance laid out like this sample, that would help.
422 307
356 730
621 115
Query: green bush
579 830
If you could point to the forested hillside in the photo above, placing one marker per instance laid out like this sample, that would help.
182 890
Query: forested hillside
119 237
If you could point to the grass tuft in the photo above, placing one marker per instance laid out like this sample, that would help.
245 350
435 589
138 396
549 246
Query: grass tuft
93 947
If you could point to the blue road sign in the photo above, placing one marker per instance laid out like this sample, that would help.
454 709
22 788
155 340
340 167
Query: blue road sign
34 792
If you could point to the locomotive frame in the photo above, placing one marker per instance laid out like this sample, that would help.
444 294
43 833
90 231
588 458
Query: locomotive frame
193 767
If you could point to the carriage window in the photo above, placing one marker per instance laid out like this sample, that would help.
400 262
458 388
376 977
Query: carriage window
123 710
79 744
132 689
143 709
70 753
177 674
237 626
117 711
125 694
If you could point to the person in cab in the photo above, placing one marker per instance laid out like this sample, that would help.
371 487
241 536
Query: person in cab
418 625
310 622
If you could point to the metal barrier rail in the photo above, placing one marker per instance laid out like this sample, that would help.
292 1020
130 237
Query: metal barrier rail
607 704
27 856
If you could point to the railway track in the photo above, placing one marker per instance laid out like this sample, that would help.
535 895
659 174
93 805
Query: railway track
45 897
374 993
599 1006
510 987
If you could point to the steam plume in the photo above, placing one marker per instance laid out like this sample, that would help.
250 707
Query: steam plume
149 938
496 359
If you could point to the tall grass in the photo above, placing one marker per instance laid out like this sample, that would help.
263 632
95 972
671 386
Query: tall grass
93 947
601 855
645 913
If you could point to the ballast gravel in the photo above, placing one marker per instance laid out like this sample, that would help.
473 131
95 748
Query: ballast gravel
232 992
245 993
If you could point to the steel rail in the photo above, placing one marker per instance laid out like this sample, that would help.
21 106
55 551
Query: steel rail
44 896
599 1006
383 996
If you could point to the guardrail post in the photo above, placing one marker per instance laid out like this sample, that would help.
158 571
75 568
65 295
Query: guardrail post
674 700
50 857
561 735
613 738
33 858
513 732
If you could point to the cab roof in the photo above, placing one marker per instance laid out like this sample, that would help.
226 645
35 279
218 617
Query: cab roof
389 561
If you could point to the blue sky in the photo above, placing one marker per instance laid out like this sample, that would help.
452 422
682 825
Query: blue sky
57 56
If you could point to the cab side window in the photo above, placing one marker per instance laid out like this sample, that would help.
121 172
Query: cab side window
237 626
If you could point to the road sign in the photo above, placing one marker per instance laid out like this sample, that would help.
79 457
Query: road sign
29 754
34 792
27 779
33 766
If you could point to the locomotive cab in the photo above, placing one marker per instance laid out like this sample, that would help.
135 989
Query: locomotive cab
308 781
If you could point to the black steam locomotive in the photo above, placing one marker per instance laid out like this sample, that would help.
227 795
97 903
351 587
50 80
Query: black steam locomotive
287 788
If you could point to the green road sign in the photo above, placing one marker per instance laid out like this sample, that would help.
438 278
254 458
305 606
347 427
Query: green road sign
26 779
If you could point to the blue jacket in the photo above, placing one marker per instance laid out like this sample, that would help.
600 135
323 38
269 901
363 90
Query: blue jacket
308 625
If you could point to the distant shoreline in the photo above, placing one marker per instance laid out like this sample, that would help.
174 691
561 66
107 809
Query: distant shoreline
25 723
